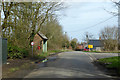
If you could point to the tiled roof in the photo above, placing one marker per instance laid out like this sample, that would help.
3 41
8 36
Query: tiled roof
42 36
96 43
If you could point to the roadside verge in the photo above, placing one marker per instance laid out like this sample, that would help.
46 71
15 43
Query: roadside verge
108 65
18 68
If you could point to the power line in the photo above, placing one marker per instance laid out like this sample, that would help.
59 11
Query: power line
95 24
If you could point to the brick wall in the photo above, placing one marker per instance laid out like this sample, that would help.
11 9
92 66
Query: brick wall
38 41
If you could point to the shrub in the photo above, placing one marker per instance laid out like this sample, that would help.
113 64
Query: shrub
15 52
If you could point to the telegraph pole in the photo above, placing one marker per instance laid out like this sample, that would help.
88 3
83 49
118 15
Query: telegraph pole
119 37
0 41
0 18
87 39
65 41
118 26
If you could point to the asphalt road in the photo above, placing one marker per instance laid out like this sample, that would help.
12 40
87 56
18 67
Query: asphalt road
69 65
95 56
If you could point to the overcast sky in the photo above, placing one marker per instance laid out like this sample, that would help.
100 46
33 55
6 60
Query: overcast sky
78 18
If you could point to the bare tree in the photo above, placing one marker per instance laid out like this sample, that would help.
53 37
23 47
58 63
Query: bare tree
26 18
87 36
109 35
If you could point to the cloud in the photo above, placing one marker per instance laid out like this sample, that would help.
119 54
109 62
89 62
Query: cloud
82 15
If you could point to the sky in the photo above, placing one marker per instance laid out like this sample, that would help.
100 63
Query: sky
80 17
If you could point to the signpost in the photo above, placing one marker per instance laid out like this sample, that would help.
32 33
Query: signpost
90 46
32 43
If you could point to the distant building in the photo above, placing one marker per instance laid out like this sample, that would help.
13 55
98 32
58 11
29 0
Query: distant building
97 44
80 47
40 42
70 47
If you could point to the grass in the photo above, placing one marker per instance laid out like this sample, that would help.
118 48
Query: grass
14 69
44 55
103 51
112 62
90 51
57 51
18 68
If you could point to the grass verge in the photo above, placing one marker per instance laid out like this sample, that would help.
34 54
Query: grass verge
21 67
111 63
44 55
103 51
14 69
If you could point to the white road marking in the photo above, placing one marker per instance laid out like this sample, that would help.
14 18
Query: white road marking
91 57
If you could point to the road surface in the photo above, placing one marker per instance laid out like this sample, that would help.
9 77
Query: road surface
73 64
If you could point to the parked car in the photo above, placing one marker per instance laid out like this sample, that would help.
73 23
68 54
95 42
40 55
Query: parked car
86 49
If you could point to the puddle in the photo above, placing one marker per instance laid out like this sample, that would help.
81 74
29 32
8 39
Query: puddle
45 61
52 58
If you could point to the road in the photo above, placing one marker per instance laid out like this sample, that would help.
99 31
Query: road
73 64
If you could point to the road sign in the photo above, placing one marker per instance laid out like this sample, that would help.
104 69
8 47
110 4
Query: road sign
90 46
32 43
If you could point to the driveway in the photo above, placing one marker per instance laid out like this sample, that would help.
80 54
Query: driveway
73 64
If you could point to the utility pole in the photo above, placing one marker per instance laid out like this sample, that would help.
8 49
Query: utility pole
0 41
65 41
119 36
87 39
0 18
119 26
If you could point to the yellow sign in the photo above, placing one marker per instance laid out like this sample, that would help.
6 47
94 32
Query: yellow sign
90 46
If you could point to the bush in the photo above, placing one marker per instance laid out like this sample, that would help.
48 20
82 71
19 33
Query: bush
15 52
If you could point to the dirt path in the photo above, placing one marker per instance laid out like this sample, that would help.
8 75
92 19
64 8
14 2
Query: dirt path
17 68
